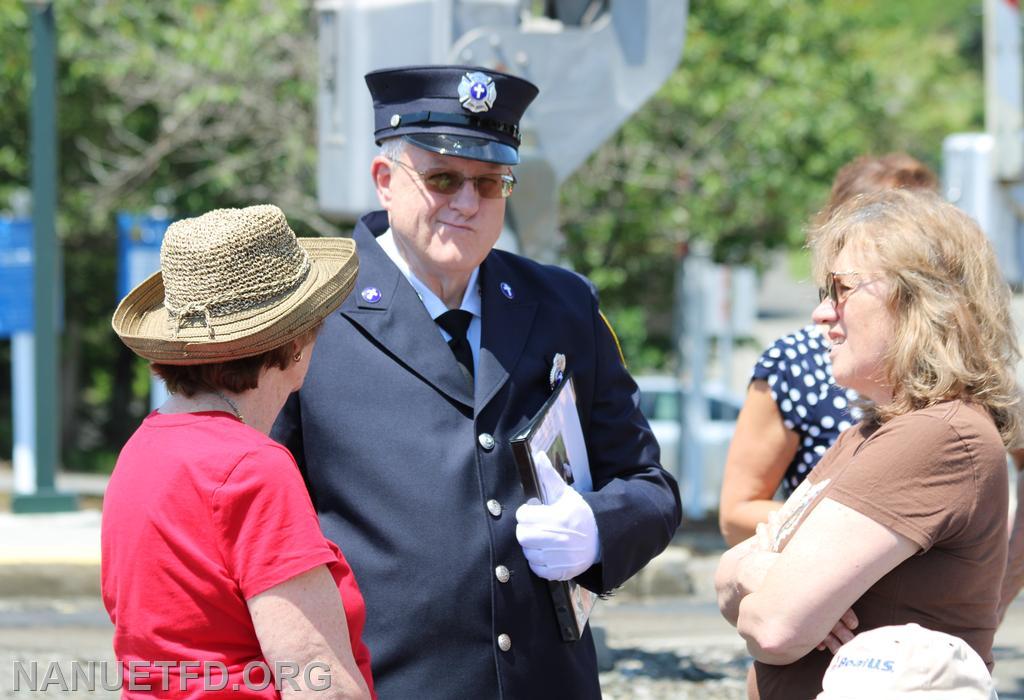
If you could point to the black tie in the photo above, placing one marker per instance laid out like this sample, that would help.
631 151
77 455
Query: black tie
455 322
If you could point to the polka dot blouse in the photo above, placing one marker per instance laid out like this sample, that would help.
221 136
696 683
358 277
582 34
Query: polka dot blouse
799 375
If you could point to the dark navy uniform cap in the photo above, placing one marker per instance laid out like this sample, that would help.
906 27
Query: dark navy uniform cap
462 111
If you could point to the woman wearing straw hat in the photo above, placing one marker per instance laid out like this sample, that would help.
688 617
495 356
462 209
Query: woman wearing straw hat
215 572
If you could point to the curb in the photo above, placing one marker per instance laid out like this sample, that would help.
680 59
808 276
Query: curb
675 573
42 580
52 555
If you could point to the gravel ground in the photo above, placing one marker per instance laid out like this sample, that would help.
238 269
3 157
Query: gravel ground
712 674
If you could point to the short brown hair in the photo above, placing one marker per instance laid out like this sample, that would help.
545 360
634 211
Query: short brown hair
870 174
235 376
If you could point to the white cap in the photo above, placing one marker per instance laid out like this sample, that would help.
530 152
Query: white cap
904 662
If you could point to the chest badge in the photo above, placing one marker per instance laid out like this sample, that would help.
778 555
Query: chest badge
557 370
370 295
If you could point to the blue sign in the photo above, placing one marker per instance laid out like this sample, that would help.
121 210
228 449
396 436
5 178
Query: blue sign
16 313
138 248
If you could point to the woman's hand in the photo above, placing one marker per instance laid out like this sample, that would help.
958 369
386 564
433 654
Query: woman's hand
741 571
753 570
841 633
768 533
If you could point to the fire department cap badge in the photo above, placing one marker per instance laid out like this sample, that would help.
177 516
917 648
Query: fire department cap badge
477 92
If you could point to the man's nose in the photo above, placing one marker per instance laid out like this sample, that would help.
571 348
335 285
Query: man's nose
466 198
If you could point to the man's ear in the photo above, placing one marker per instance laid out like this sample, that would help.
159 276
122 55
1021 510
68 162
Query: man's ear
380 171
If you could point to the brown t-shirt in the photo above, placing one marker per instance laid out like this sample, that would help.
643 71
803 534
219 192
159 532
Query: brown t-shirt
938 477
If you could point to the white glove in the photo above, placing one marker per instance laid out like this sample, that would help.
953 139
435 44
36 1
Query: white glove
559 538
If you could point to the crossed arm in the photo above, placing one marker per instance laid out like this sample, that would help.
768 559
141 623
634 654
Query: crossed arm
302 621
784 604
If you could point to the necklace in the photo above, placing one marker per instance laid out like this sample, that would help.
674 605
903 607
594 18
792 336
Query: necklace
232 404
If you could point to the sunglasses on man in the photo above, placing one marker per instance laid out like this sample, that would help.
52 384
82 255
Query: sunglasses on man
448 182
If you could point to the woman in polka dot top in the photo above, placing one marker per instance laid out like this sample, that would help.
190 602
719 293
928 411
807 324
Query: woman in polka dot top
794 410
811 404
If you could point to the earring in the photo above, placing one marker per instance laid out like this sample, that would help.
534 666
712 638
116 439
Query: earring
297 356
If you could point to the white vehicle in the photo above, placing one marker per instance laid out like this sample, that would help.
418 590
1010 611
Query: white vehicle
697 462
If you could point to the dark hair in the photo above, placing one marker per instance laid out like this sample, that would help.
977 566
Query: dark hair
870 174
235 376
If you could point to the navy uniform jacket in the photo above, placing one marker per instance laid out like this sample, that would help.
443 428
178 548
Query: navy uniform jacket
400 463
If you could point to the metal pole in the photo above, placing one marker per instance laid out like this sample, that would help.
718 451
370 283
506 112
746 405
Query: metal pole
1004 87
46 278
694 408
22 391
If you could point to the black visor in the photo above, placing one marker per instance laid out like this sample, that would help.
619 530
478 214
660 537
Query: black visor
465 147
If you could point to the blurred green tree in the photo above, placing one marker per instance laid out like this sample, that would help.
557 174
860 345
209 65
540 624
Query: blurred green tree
187 104
740 145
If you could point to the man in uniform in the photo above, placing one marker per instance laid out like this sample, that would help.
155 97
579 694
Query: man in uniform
441 355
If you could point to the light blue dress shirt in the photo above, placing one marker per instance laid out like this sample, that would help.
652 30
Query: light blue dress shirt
435 307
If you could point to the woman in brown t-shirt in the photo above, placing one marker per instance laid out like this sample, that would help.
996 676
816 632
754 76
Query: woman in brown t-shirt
904 519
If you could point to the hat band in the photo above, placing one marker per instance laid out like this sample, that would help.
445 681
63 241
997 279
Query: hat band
236 301
465 120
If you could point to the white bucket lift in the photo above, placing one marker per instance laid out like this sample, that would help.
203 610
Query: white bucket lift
595 62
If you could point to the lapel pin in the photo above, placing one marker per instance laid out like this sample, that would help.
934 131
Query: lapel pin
370 294
557 370
506 289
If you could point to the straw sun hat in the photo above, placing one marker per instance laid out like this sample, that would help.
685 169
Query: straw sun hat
234 283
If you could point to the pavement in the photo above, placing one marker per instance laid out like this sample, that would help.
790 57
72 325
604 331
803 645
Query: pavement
52 555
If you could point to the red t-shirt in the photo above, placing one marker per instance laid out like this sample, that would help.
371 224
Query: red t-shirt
203 512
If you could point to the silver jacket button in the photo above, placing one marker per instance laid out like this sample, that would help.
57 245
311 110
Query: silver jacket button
494 508
501 572
504 642
486 441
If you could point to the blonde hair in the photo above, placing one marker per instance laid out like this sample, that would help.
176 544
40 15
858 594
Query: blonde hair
954 337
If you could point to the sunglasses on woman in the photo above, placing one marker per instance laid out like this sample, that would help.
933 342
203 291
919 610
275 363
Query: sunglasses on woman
835 289
448 182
